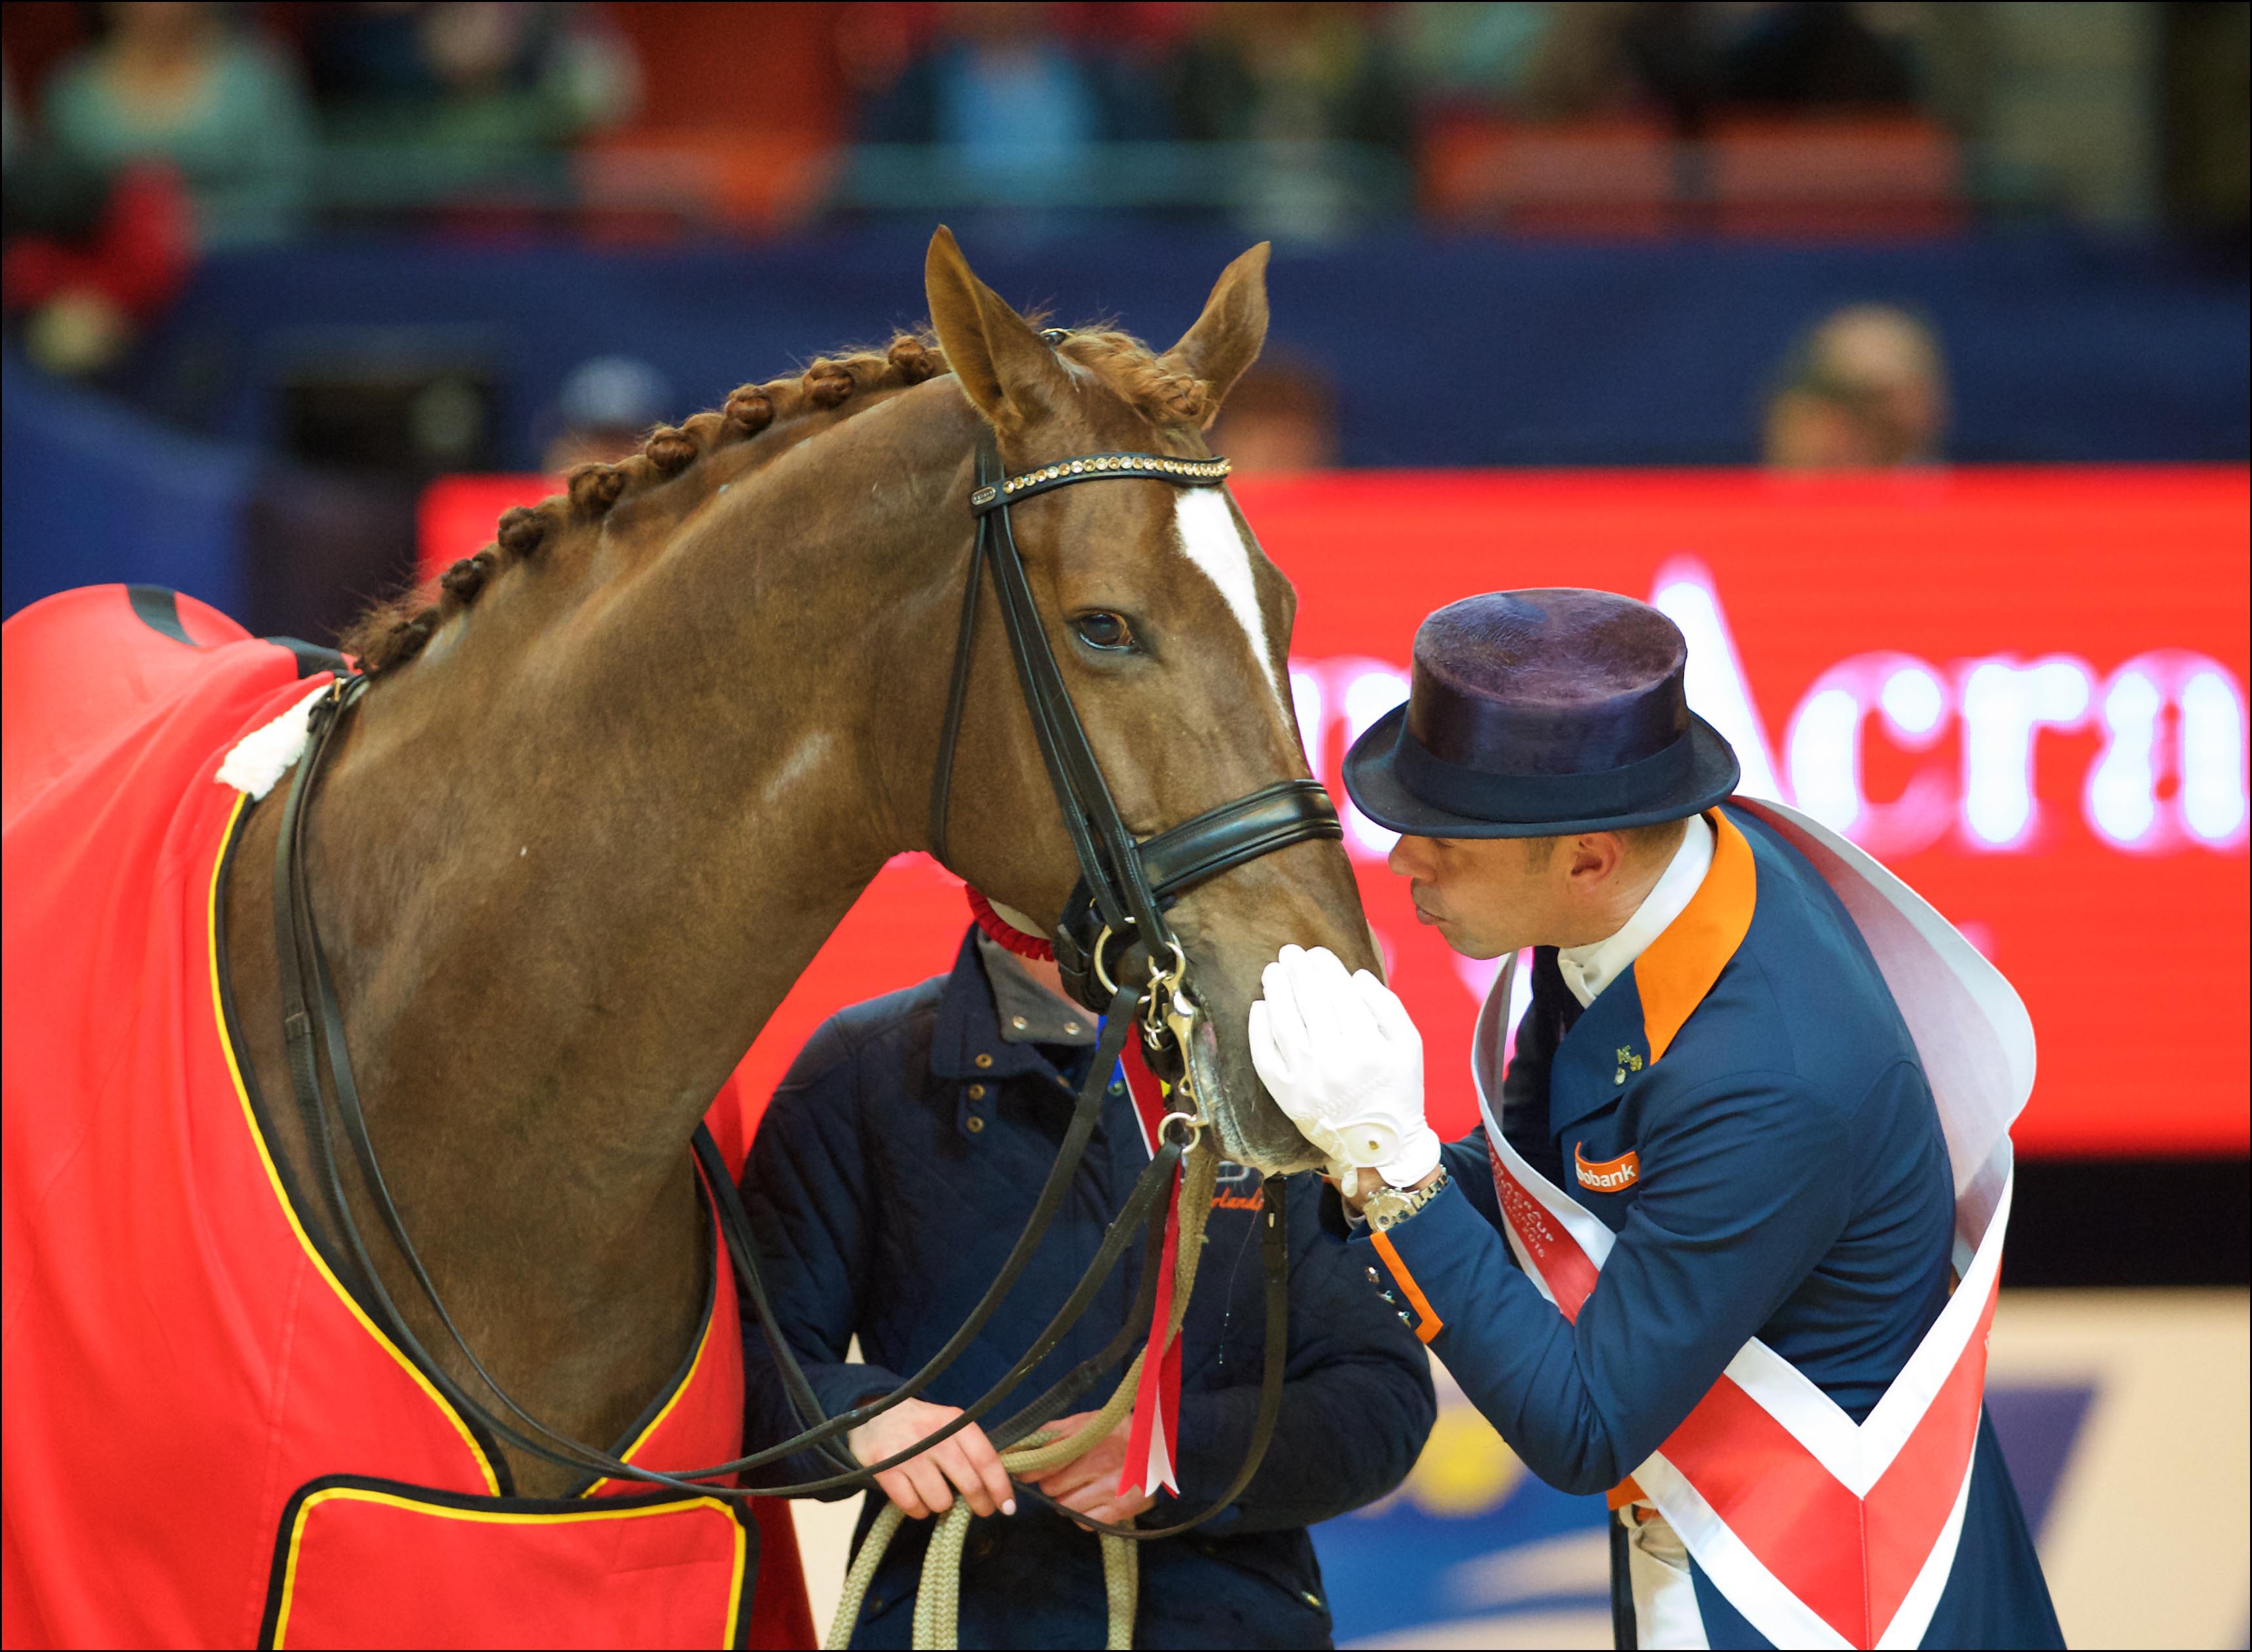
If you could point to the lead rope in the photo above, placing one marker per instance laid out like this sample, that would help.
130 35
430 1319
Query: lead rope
938 1600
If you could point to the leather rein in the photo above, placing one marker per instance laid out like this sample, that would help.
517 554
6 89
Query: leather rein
1114 928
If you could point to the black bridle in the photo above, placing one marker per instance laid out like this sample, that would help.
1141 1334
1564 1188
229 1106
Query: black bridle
1116 912
1124 885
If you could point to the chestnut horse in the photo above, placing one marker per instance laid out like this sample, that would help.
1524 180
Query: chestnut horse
613 785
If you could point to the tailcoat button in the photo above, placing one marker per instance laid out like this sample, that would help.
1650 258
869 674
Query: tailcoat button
985 1061
973 1124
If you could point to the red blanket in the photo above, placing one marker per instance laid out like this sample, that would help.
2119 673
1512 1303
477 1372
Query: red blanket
208 1443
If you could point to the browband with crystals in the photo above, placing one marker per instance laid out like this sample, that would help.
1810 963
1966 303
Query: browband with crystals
1187 472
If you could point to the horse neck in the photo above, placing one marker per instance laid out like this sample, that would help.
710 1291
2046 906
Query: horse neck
568 873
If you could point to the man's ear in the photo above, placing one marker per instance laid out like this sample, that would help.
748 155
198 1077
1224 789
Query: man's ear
1227 338
1595 854
1006 369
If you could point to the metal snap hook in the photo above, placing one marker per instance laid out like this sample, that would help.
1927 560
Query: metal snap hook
1168 1007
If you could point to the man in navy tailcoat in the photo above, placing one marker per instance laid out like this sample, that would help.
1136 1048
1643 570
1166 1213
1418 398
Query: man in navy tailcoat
1713 1067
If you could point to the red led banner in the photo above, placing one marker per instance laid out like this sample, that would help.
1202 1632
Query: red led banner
2024 690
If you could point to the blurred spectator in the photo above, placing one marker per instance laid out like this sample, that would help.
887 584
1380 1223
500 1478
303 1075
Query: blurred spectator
1002 87
1532 58
89 261
1279 417
469 74
1867 388
607 406
2206 86
1694 59
1319 85
175 82
1784 54
1294 69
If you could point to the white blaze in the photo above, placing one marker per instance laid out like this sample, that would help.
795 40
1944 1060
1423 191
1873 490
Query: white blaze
1215 544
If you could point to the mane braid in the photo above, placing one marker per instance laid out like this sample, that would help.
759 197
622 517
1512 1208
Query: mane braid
391 634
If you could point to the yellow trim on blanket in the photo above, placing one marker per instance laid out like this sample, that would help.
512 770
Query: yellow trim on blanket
656 1422
497 1517
274 1175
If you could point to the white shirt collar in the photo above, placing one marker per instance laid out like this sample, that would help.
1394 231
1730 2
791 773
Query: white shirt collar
1586 970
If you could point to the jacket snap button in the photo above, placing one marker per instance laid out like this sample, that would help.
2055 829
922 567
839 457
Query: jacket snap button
984 1061
1373 1277
1018 1022
1072 1027
973 1124
1310 1599
977 1092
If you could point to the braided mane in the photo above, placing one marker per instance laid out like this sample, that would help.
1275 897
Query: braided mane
392 634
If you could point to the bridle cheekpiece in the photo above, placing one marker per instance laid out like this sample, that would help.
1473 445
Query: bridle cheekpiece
1125 884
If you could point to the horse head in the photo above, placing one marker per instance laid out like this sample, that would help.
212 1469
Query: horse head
1171 629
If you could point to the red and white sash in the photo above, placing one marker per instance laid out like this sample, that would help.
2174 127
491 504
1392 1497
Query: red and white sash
1151 1442
1821 1532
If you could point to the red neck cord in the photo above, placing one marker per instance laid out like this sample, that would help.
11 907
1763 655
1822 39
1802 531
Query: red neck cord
1004 934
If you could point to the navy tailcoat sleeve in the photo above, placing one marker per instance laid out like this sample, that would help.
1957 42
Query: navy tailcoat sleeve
1743 1190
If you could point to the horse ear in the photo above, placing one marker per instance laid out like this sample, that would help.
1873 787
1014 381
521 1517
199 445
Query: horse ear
1006 369
1227 338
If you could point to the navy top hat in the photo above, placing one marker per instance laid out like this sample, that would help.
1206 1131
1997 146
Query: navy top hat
1539 713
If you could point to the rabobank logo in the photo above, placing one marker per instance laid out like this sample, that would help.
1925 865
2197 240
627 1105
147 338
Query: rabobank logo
1610 1176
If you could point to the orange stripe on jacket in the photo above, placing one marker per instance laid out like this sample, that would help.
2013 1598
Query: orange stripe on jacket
1432 1324
1677 970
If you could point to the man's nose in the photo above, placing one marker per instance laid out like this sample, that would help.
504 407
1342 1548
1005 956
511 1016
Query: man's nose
1404 861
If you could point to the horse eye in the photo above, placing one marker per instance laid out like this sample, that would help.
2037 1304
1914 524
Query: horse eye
1104 631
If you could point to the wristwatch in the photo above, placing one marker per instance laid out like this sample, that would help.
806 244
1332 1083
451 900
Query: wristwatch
1389 1206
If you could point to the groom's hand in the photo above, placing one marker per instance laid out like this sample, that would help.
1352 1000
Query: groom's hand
1341 1057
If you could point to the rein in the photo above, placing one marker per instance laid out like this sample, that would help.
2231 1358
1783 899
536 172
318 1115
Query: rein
1116 909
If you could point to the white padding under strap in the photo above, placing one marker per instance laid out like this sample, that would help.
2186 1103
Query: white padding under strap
264 755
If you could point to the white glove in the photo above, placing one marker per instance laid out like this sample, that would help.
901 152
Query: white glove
1342 1058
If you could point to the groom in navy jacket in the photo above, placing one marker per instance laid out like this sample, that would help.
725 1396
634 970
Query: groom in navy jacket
1714 1068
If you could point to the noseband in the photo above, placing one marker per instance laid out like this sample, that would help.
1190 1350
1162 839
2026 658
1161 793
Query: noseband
1116 951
